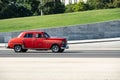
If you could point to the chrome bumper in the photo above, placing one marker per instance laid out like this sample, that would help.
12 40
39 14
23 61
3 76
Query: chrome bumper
66 47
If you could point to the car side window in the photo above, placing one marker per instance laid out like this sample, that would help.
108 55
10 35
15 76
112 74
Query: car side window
39 36
29 35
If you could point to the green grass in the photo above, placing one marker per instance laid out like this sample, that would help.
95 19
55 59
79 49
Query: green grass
50 21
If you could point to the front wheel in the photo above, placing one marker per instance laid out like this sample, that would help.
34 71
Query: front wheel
55 48
18 48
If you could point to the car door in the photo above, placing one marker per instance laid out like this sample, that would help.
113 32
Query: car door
28 40
40 41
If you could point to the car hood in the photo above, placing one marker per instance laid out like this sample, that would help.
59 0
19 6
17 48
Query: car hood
56 38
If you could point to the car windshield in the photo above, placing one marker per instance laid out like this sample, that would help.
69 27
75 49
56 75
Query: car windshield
20 35
46 35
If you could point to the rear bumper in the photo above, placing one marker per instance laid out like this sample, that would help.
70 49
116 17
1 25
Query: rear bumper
6 46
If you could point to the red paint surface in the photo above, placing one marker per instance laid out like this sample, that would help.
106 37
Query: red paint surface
35 42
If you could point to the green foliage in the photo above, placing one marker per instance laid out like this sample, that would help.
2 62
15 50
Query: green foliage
13 9
53 7
59 7
32 5
21 8
101 4
80 6
35 6
50 21
96 4
69 8
116 3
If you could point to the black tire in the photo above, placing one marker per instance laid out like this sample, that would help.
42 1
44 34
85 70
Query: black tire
55 48
61 50
24 50
18 48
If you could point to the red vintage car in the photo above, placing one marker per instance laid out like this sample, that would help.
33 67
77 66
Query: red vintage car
37 40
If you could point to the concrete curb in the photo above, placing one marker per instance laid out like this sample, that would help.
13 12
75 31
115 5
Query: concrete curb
3 45
93 41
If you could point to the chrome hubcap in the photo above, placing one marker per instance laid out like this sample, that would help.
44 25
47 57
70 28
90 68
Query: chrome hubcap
18 48
55 48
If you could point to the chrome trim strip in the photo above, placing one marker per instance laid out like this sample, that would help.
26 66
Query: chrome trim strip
67 47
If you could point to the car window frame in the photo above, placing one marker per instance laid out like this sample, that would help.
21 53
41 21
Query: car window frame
38 34
27 35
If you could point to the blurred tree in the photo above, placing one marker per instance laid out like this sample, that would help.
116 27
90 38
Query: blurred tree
35 6
13 9
53 7
69 8
116 3
79 7
100 4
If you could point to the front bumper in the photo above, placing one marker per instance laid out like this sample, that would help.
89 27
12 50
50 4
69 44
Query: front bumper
65 47
6 46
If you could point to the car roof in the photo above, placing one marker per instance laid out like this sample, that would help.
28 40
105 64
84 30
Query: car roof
33 31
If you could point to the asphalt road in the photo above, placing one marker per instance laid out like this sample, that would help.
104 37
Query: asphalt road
107 49
91 61
67 53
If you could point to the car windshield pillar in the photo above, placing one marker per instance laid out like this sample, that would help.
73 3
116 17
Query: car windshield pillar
46 35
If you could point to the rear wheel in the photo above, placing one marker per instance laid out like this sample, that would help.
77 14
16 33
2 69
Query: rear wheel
18 48
55 48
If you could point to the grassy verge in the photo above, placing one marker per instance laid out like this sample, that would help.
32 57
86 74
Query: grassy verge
49 21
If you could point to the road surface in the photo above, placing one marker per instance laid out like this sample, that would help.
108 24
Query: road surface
81 62
67 53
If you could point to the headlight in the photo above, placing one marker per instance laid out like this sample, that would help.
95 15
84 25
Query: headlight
63 43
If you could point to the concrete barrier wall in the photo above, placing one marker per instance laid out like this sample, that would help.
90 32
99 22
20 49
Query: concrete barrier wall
101 30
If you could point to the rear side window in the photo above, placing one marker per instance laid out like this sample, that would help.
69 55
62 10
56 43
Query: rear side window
39 36
29 35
